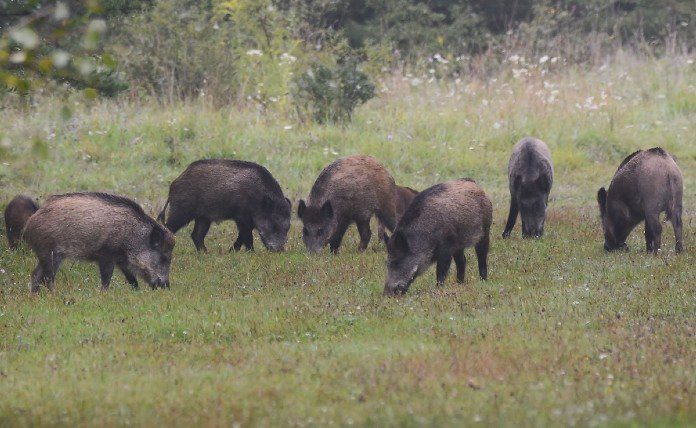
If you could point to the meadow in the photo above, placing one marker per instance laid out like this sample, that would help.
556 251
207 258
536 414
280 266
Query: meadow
561 334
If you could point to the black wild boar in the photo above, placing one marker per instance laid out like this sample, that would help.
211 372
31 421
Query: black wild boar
437 226
213 190
107 229
530 173
646 184
351 189
17 213
404 196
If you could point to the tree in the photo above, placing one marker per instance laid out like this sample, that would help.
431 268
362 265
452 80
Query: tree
44 42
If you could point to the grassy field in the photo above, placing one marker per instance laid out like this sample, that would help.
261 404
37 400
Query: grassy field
561 334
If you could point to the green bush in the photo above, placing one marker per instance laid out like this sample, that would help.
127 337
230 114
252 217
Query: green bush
331 93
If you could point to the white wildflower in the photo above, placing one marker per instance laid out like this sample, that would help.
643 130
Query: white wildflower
543 59
514 59
286 58
254 52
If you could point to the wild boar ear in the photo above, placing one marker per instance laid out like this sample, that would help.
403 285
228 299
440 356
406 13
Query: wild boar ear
157 238
399 242
267 204
301 207
327 210
602 199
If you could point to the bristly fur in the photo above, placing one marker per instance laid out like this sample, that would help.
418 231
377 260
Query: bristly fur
628 158
266 177
324 176
115 200
414 210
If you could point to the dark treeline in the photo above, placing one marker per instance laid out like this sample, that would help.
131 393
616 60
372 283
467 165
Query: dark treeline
263 50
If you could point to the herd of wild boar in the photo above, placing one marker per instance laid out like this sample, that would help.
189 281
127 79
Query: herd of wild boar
433 226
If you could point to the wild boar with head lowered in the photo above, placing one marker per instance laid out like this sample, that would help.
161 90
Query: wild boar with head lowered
108 229
213 190
646 184
404 196
530 173
351 189
17 213
437 226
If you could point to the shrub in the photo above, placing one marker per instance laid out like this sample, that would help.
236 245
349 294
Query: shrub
331 93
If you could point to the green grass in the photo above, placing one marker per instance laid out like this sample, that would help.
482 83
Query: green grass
561 334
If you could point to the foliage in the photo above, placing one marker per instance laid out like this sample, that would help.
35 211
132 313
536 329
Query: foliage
331 93
41 43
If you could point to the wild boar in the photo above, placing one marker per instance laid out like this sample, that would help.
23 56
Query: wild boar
404 196
530 174
213 190
437 226
351 189
108 229
17 213
646 184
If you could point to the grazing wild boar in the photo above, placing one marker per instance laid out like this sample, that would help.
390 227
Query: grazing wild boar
108 229
438 225
404 196
213 190
17 213
646 184
530 173
351 189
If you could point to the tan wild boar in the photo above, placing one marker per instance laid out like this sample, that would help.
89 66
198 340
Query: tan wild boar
437 226
107 229
351 189
646 184
213 190
404 196
17 213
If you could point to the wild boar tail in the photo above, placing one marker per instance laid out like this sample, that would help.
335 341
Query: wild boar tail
160 217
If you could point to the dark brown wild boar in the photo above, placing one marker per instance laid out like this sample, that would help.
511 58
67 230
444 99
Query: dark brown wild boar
404 196
213 190
107 229
530 174
437 226
351 189
646 184
17 213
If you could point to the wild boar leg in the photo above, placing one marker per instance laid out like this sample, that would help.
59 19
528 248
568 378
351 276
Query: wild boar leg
460 263
200 230
653 231
677 226
381 234
482 256
45 271
365 234
512 217
337 237
130 277
444 260
106 271
245 234
37 277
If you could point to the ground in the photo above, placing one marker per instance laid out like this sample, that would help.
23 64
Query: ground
562 333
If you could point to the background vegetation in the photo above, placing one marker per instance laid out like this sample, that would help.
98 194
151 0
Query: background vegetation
561 334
